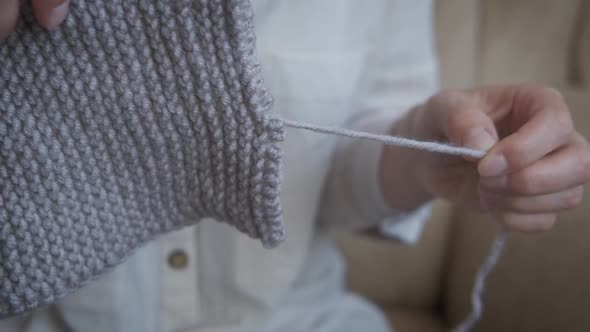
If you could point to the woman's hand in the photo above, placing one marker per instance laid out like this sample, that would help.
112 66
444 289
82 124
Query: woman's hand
49 13
536 166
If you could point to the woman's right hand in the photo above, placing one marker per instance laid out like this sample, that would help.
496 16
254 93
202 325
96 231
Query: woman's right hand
49 14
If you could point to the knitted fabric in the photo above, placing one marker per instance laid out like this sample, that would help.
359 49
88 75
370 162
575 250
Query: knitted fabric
133 118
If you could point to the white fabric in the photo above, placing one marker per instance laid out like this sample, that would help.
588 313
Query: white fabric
327 62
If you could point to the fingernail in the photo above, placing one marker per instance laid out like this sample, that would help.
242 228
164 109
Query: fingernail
493 165
478 139
57 15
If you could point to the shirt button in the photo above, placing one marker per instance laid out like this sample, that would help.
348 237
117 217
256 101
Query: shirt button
178 259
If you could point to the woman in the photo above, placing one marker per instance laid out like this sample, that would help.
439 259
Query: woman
369 65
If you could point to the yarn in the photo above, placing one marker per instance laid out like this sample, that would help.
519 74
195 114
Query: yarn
479 285
390 140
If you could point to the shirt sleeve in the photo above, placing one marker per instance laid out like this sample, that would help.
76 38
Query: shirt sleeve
400 73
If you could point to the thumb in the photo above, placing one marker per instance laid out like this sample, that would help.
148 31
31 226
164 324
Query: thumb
50 13
464 122
8 17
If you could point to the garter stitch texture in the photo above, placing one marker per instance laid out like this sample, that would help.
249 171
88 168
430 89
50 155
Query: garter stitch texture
134 118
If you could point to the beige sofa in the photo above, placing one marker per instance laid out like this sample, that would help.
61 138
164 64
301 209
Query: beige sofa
542 282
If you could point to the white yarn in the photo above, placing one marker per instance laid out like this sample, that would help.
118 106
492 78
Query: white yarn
497 247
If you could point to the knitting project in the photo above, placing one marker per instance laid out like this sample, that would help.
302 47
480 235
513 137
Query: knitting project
132 119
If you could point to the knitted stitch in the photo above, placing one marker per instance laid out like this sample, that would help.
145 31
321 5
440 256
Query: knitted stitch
133 118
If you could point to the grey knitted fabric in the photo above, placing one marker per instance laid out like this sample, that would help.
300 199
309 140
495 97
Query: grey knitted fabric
134 118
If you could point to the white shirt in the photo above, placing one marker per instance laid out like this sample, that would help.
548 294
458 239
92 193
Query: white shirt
329 62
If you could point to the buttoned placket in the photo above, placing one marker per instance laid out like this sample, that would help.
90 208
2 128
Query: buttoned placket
179 300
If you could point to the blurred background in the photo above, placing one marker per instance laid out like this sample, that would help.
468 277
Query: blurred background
542 282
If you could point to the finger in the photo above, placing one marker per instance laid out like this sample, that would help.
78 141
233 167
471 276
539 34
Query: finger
547 203
50 13
8 17
463 121
564 169
456 183
529 223
546 125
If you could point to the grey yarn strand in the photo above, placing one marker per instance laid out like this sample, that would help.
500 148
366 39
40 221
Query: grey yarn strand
497 247
480 282
390 140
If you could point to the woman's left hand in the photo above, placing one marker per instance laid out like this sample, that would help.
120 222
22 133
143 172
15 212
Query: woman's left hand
536 165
